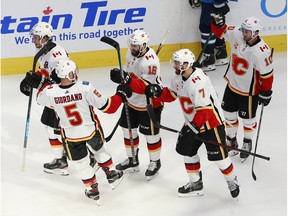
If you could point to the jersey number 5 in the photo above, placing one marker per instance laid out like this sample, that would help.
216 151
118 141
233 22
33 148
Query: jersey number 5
73 115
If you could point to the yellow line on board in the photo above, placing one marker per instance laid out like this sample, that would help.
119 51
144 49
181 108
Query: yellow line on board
104 58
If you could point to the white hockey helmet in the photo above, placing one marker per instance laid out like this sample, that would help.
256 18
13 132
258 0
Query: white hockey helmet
253 24
42 29
182 56
140 38
67 69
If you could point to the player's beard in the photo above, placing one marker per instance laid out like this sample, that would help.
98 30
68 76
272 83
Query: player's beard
135 53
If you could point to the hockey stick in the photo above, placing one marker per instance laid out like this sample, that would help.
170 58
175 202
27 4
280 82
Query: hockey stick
116 45
36 57
162 42
158 125
258 131
197 62
108 138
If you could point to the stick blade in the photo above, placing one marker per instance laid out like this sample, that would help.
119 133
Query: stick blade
110 41
254 176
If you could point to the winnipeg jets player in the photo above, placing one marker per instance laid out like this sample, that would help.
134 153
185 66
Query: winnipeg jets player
203 118
74 102
249 77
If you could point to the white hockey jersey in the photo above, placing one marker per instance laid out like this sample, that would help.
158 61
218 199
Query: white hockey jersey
146 67
249 64
74 107
197 95
49 60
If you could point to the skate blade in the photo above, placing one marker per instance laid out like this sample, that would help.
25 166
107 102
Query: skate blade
131 170
192 194
221 62
117 182
233 153
208 69
243 159
148 178
63 172
97 201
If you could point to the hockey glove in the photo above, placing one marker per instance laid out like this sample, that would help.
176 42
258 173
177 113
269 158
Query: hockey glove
222 8
24 88
265 97
124 91
189 130
153 91
195 3
116 76
34 80
219 19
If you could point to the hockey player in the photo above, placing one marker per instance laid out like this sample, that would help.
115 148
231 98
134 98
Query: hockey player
143 67
215 53
42 34
74 102
249 77
203 118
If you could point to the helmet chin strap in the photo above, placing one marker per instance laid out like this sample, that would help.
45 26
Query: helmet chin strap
183 70
253 37
142 50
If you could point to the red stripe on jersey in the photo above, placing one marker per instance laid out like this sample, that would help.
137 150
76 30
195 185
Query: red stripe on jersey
108 163
266 81
229 170
153 147
128 144
137 85
95 118
89 182
55 143
208 116
113 104
195 167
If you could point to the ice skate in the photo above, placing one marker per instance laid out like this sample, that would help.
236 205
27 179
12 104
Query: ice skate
58 166
192 188
233 143
247 146
221 55
208 63
114 177
127 166
153 169
234 187
93 193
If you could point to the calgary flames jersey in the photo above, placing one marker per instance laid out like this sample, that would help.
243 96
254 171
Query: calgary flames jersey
198 99
251 67
74 107
49 60
144 70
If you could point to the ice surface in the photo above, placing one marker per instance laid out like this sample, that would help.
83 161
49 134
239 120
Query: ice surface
36 193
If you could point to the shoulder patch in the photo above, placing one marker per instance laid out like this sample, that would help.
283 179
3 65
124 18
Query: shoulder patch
85 83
